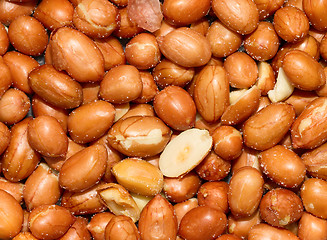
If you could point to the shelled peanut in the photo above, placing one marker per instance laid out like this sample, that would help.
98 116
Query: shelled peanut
173 119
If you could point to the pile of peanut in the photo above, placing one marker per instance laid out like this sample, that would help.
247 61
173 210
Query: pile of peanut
163 120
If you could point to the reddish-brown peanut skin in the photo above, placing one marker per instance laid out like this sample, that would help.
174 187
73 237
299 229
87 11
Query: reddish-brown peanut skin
142 127
4 40
121 228
283 166
19 160
182 188
245 191
77 54
91 163
202 222
215 195
183 207
213 167
241 226
5 136
149 89
82 203
311 227
240 16
228 237
6 77
54 13
15 189
97 19
300 99
315 10
175 107
291 24
227 142
267 232
24 236
267 127
41 187
98 223
121 84
303 71
90 121
309 130
50 221
11 214
14 106
266 8
242 70
315 161
280 207
55 87
47 128
185 47
78 230
112 51
223 41
211 92
314 197
263 43
142 51
40 108
37 39
20 66
158 220
182 13
11 10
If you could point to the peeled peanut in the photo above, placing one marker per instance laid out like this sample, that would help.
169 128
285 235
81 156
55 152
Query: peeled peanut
195 53
184 152
175 107
50 221
267 127
266 78
245 191
121 227
90 121
119 201
309 129
55 87
138 176
158 220
280 207
139 136
47 127
211 92
75 53
41 187
283 166
240 16
91 163
82 203
19 160
11 214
